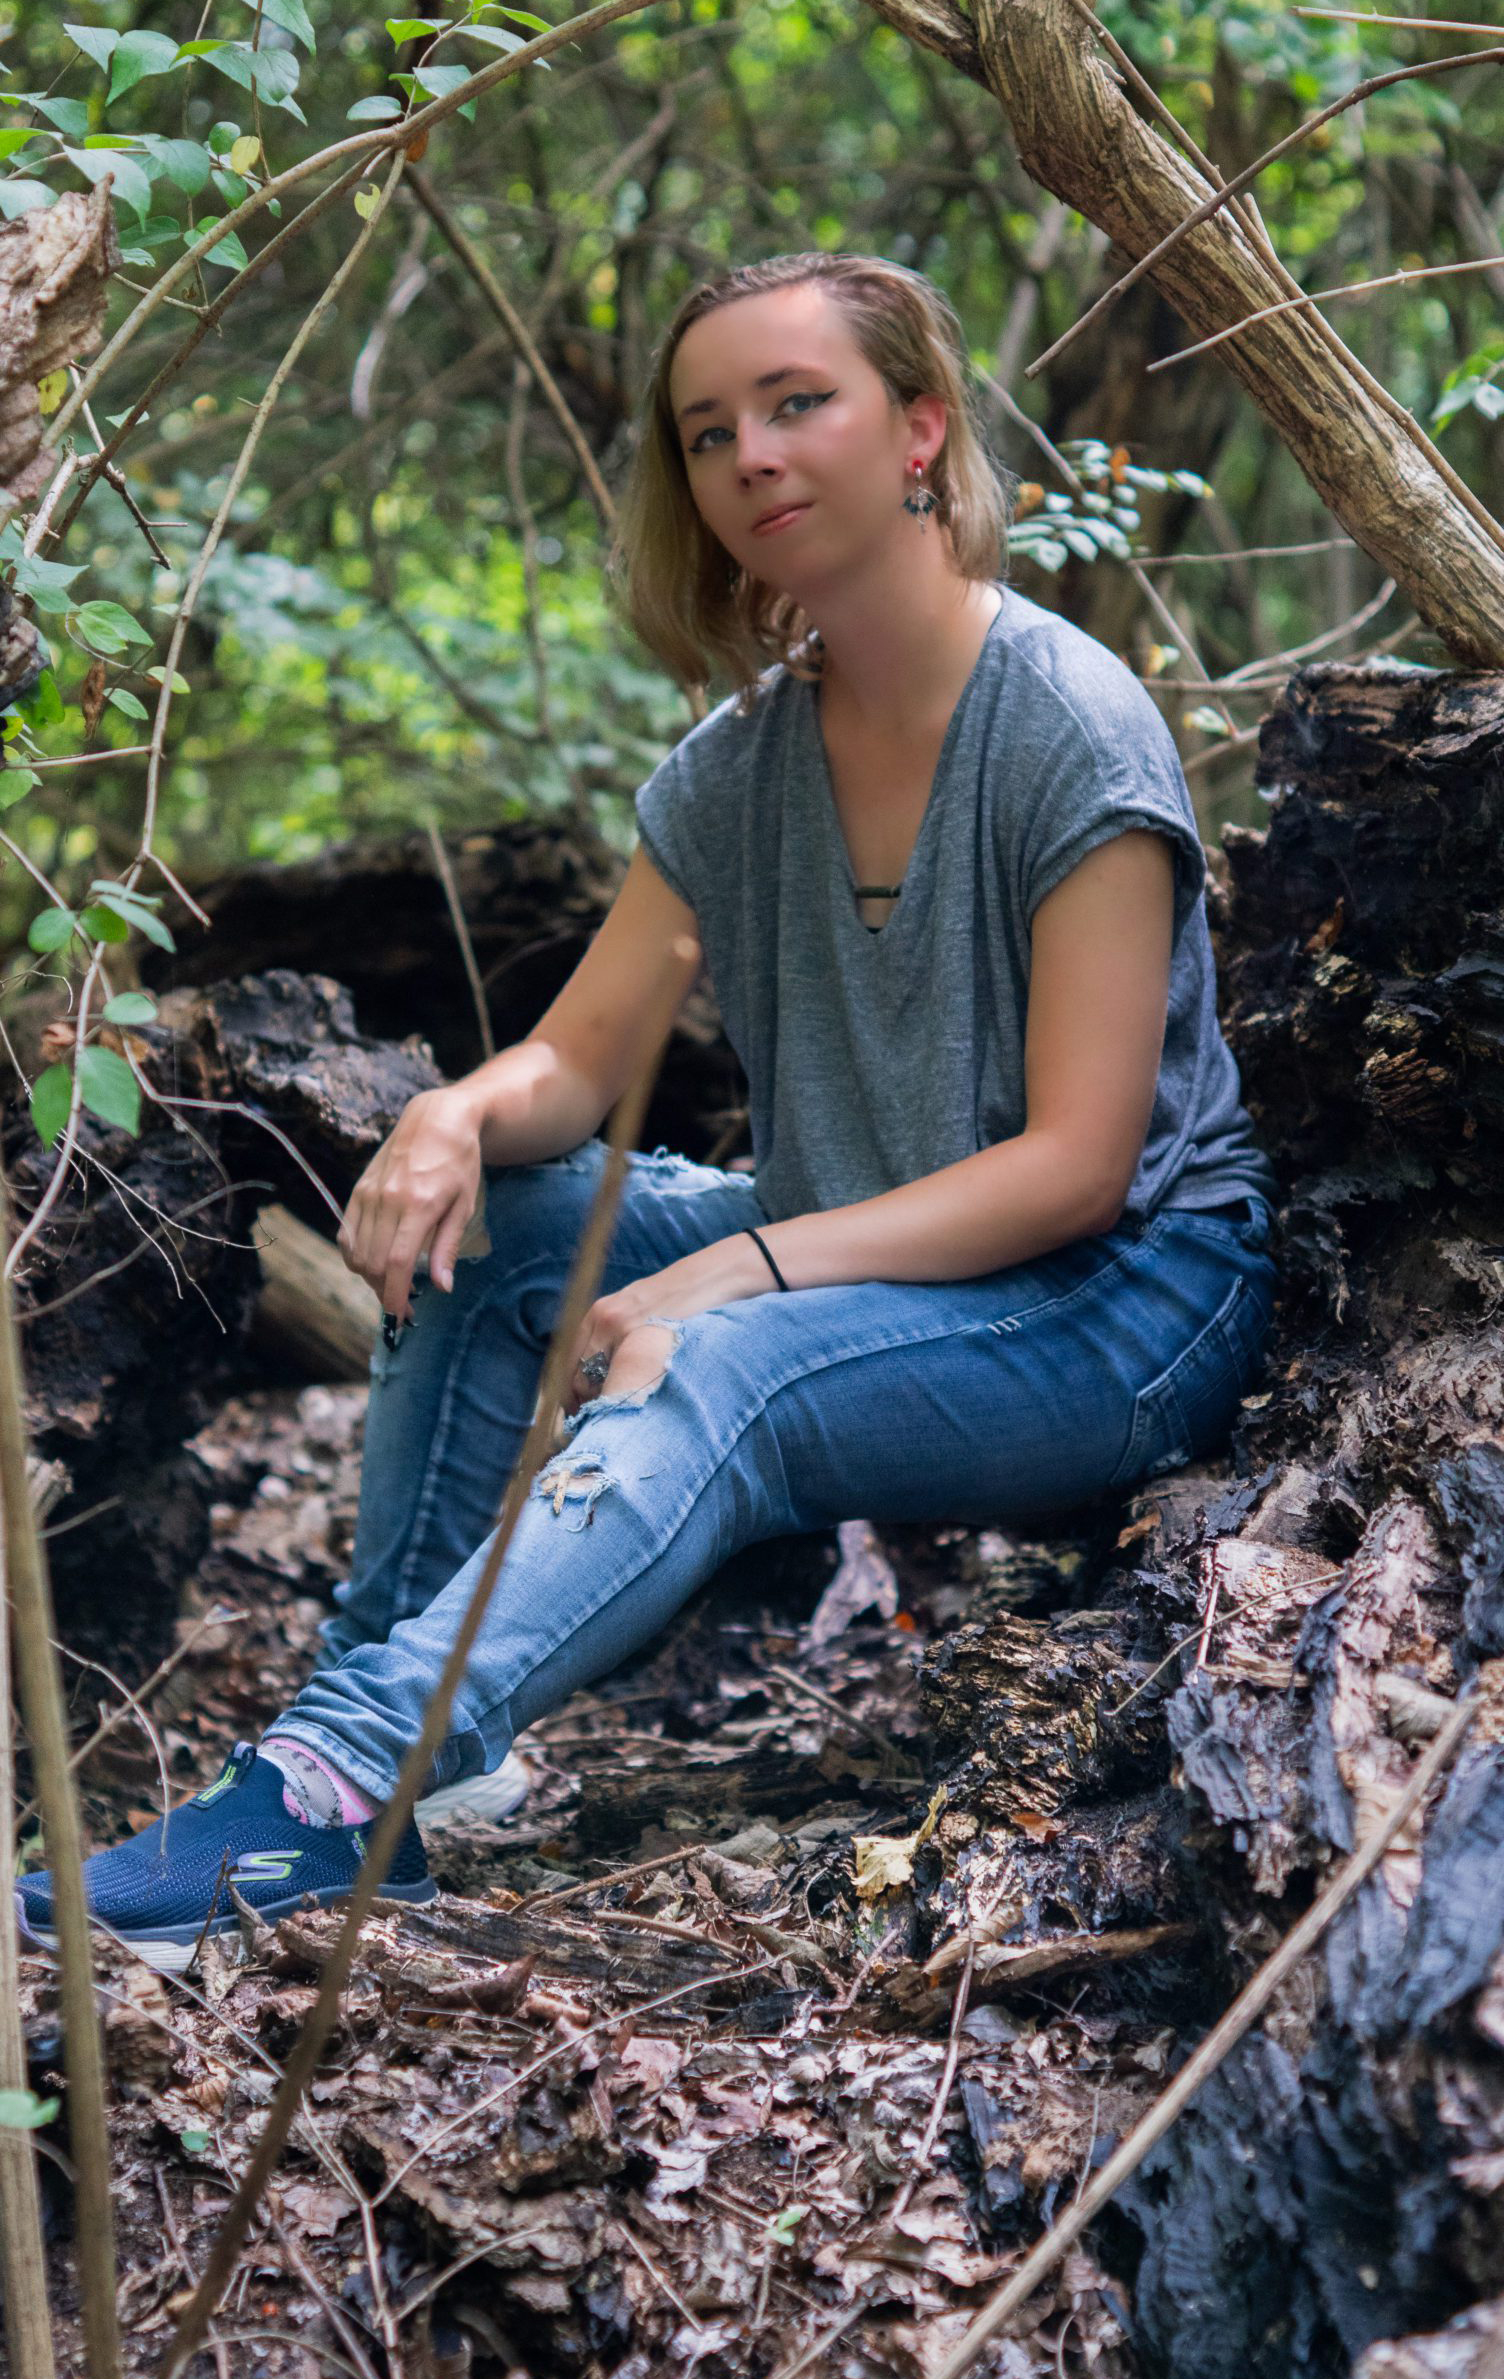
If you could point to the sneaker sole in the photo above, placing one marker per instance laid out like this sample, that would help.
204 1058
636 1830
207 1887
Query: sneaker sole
490 1797
171 1947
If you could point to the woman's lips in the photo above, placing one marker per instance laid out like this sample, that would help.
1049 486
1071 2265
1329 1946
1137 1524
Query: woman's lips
780 520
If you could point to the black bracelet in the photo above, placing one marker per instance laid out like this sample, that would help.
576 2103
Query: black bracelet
767 1251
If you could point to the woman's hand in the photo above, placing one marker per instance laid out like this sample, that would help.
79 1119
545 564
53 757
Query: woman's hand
635 1349
418 1191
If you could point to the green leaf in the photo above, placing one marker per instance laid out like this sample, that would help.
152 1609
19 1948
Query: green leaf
523 16
22 2110
497 37
18 197
1209 721
291 15
410 28
121 698
130 1007
109 627
51 1098
230 250
195 2140
43 706
125 905
232 188
47 583
274 73
364 203
109 1089
50 928
104 924
179 682
138 55
94 41
185 162
223 135
132 186
439 81
373 111
15 784
71 116
16 136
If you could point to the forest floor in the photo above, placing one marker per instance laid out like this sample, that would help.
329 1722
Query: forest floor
728 2094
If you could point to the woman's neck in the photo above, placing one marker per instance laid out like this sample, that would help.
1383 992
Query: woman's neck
892 657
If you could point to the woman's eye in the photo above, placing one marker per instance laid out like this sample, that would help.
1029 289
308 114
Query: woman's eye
803 397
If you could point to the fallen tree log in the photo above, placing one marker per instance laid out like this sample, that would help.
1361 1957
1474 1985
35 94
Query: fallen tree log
1281 1630
375 914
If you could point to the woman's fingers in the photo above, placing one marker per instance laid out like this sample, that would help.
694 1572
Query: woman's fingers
451 1229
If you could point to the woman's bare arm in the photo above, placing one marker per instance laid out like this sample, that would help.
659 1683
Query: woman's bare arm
551 1090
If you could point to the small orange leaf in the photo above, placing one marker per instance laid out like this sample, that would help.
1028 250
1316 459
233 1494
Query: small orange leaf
1118 463
415 149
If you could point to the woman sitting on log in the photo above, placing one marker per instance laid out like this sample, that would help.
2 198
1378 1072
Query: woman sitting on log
1006 1247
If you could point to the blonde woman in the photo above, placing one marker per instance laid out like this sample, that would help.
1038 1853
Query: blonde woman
1006 1246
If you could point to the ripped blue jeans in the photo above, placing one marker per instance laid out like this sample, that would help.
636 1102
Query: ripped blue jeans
1000 1399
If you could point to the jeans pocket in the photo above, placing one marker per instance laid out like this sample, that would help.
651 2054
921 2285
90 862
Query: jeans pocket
1191 1406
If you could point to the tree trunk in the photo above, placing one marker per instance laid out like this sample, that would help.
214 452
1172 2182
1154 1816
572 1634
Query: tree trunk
1079 136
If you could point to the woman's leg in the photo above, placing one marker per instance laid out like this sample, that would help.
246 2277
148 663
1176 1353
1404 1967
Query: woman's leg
450 1404
1008 1397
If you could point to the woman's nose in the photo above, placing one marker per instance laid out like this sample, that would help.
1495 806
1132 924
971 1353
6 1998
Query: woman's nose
756 450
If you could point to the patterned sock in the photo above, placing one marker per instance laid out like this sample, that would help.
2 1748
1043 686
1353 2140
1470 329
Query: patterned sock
312 1791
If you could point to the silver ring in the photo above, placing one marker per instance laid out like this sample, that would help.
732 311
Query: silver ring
595 1367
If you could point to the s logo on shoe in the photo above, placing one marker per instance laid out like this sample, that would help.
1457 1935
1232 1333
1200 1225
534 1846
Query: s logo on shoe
260 1866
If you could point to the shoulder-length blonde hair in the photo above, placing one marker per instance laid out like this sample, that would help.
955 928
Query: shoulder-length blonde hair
694 607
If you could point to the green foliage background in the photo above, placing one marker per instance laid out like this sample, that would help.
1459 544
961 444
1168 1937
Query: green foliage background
362 651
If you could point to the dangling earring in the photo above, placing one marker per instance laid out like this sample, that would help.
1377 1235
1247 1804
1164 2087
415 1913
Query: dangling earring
920 500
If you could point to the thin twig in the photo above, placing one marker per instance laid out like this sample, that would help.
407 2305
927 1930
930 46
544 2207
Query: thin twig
1249 2004
445 874
678 973
175 2239
1288 305
1219 198
858 1726
947 2076
535 1901
515 2081
41 1695
521 337
1150 592
28 2322
368 146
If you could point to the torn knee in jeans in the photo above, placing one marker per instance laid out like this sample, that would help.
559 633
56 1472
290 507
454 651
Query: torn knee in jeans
574 1478
640 1365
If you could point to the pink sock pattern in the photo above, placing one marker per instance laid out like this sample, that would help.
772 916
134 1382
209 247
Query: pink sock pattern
295 1760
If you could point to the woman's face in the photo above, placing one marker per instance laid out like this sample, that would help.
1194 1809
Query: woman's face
819 436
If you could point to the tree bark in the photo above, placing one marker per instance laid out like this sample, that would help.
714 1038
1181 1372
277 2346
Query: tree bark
1079 136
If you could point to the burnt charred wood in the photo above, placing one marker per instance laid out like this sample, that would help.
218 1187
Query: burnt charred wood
374 913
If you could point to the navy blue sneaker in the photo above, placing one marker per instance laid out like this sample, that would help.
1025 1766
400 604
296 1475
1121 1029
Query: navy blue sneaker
160 1902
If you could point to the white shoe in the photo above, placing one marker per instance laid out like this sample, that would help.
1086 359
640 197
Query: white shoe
494 1796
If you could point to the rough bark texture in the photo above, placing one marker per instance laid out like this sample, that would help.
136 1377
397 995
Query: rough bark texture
374 914
1080 136
1151 1735
1272 1638
135 1307
54 265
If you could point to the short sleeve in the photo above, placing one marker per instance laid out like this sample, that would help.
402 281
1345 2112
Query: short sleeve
663 827
1087 794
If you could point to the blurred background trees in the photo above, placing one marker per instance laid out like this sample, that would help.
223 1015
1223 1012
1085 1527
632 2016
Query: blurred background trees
408 616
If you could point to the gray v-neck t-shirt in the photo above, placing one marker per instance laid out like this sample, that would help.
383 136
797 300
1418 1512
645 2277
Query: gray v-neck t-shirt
875 1058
